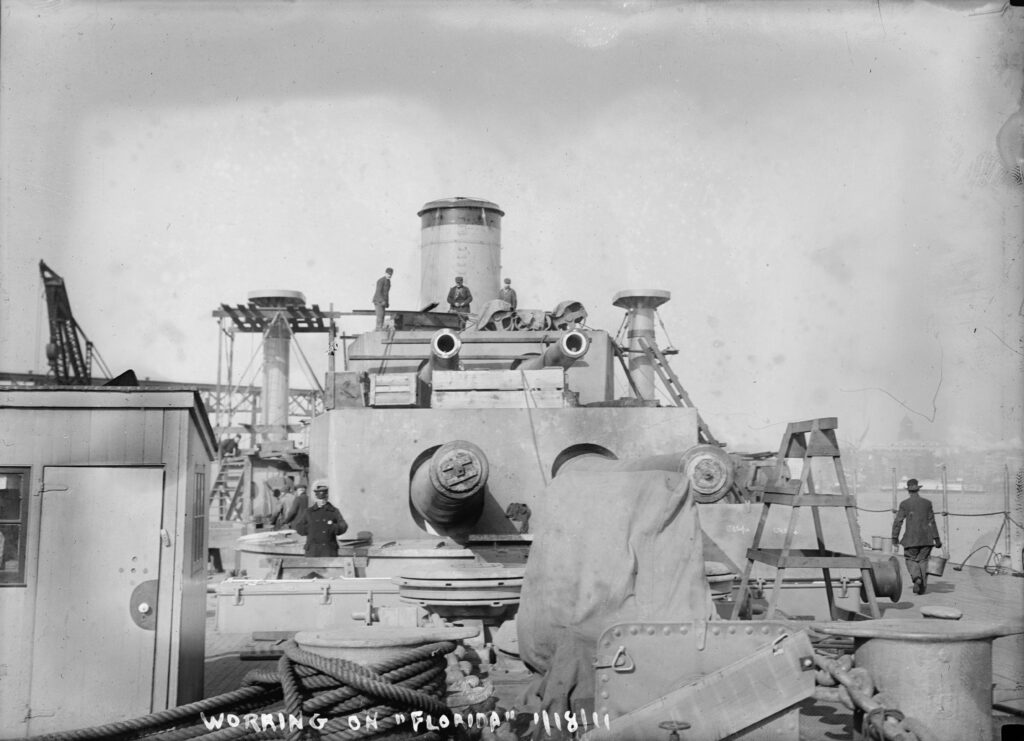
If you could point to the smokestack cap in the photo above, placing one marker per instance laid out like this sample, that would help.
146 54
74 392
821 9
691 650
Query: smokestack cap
277 297
648 298
460 202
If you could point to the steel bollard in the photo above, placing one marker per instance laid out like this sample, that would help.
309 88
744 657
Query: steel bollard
937 672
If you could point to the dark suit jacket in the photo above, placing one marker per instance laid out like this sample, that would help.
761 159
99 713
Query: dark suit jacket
920 519
325 525
382 292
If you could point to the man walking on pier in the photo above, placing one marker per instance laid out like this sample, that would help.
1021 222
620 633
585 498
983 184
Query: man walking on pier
921 534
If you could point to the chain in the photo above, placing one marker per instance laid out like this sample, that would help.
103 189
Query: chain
840 681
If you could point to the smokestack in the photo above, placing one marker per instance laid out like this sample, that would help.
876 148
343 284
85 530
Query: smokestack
460 236
641 305
276 359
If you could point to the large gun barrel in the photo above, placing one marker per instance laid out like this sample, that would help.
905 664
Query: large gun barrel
447 489
445 347
571 346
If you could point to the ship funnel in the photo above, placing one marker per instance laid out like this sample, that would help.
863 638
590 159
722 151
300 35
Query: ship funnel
640 306
460 237
276 360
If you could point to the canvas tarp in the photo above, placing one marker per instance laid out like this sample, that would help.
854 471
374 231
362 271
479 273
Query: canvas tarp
609 547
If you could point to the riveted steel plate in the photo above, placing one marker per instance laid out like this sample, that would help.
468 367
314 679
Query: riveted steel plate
638 663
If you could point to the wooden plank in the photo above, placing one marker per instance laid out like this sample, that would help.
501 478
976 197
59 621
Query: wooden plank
110 430
497 399
394 389
823 423
153 436
808 500
787 488
79 427
802 558
97 397
498 380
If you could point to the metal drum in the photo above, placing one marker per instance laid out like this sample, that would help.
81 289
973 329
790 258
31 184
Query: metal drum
935 671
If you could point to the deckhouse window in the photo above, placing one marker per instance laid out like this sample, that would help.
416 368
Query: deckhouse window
13 522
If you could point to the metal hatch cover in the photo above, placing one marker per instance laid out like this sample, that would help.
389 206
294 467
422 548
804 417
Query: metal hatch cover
637 663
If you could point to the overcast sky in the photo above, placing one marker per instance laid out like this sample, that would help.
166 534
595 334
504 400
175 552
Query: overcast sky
817 183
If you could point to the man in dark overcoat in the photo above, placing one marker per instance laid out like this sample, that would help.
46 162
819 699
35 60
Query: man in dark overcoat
324 524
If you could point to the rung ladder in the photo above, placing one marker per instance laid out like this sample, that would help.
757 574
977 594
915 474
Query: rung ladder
226 500
675 388
815 438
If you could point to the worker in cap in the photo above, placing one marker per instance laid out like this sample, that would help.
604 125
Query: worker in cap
298 509
325 524
508 294
282 507
920 536
381 296
459 299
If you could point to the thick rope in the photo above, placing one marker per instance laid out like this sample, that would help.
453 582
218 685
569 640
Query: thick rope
334 690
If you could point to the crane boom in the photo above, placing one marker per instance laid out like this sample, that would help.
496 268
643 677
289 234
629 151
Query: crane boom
69 364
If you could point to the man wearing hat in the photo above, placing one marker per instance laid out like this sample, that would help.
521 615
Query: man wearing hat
381 296
508 294
298 509
459 299
921 534
324 524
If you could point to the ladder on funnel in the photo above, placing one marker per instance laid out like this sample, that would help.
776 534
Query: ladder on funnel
815 438
675 389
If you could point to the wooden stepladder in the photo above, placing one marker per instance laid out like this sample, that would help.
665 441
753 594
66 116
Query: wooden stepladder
815 438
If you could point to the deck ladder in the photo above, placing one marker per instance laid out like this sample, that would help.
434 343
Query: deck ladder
806 441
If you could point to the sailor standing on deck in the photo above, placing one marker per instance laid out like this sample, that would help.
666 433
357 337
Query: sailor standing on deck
324 523
295 517
381 296
508 294
921 534
459 299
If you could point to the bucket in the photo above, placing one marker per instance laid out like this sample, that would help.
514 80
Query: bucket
877 542
1002 564
936 565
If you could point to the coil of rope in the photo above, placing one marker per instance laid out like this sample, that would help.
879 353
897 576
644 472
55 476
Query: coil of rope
310 686
840 681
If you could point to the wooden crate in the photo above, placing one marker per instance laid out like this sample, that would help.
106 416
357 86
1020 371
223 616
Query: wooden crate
394 390
343 389
499 389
